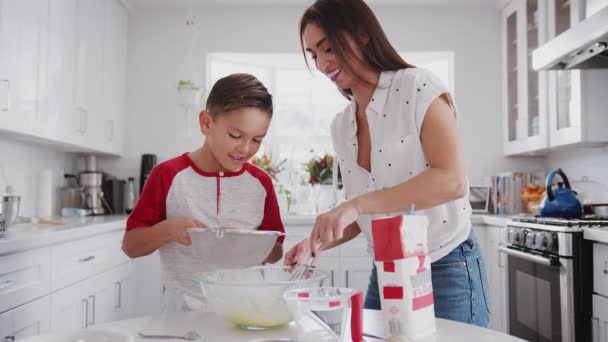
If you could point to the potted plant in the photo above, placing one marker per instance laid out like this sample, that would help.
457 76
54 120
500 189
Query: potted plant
187 93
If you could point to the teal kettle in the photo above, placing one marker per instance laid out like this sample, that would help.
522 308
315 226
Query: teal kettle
561 201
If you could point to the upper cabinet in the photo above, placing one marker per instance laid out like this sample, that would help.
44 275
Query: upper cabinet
543 110
577 99
525 105
23 53
65 82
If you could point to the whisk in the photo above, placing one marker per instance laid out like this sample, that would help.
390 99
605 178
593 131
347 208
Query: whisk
301 268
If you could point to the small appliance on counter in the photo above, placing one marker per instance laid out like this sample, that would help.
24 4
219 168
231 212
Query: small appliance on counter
148 161
114 194
91 181
9 206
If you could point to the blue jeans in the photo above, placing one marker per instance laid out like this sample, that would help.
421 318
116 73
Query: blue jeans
459 286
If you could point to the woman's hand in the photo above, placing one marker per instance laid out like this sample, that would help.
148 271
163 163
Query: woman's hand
330 225
177 229
297 253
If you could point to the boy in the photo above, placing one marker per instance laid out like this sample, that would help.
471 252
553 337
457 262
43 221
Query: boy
213 186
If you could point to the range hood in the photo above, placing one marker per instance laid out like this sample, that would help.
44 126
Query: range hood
584 46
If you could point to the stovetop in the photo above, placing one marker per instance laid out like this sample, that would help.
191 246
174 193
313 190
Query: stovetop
587 221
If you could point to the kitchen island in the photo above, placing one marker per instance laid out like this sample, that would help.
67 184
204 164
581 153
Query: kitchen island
214 328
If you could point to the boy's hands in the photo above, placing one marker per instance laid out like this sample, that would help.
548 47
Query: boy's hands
297 253
177 229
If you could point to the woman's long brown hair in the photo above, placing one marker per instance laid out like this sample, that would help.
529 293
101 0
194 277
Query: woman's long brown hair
338 18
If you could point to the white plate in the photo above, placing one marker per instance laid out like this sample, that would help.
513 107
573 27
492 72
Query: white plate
232 248
87 335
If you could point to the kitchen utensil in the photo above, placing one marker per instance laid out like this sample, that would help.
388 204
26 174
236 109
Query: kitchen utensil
10 206
560 202
252 298
600 209
323 314
593 195
189 336
301 269
232 248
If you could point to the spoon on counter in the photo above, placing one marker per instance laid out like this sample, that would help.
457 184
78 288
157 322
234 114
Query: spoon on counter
189 336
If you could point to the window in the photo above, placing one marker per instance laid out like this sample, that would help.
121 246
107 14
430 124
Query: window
304 101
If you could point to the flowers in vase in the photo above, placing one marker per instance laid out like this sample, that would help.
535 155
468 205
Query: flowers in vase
320 170
265 163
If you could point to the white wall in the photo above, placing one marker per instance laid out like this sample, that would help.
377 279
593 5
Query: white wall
22 162
157 61
579 162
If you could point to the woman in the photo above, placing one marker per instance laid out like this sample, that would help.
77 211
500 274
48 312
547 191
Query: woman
398 145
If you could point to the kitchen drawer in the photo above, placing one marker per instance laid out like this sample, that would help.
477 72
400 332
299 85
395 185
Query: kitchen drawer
77 260
600 269
23 277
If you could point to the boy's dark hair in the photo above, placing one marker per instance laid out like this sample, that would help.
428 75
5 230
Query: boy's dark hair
238 91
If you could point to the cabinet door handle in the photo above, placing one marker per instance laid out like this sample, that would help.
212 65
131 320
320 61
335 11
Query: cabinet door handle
118 295
110 130
85 311
92 311
347 276
332 278
6 285
85 120
87 259
8 98
9 338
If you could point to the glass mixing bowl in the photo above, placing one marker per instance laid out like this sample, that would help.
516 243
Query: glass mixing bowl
252 298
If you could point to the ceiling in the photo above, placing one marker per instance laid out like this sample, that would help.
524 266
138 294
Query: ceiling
147 4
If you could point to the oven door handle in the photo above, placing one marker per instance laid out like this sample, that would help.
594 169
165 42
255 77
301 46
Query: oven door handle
529 257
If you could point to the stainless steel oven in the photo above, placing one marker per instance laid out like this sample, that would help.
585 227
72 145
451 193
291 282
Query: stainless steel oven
549 272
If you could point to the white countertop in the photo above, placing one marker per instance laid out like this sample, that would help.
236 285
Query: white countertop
492 220
213 328
596 234
25 236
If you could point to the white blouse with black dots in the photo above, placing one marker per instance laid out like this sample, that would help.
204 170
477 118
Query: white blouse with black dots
395 115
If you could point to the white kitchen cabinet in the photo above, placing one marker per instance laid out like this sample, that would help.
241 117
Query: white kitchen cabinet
105 297
480 235
23 62
525 106
356 272
332 266
27 320
577 101
495 262
63 72
114 85
88 113
125 291
599 321
24 277
63 123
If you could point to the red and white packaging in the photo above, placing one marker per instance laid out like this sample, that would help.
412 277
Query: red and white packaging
404 275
